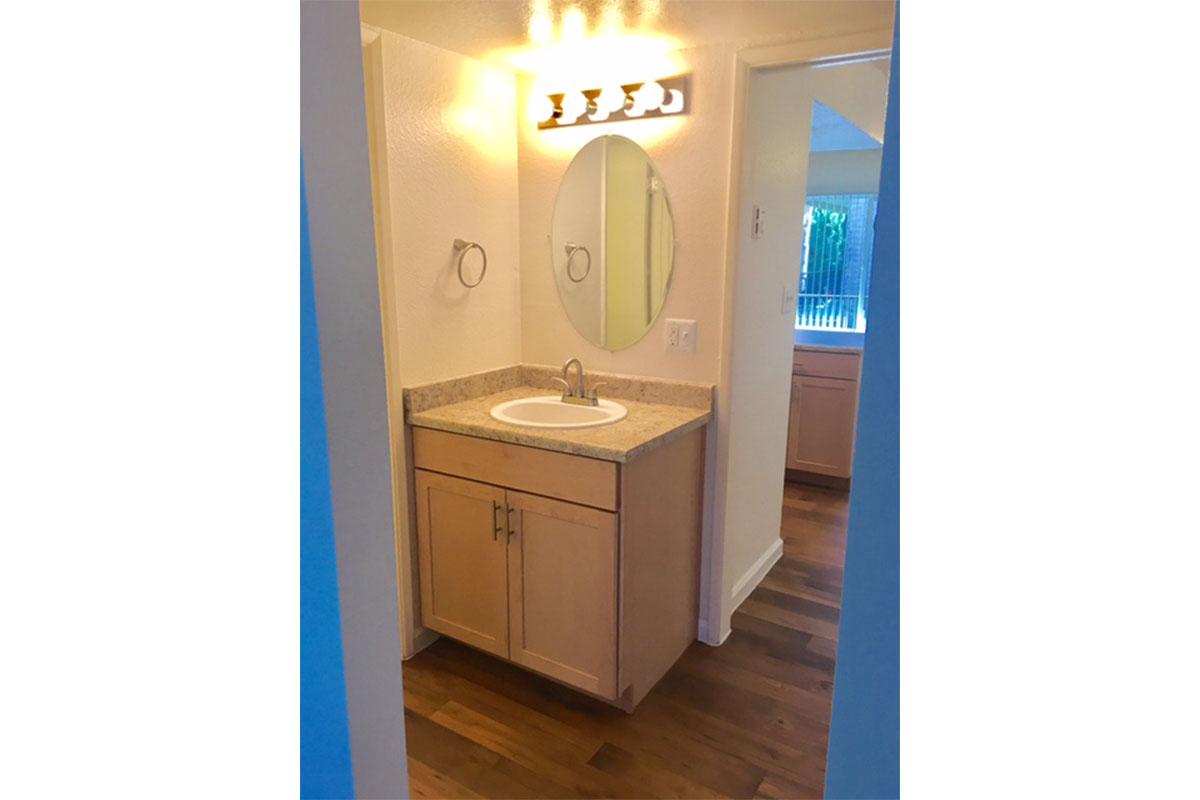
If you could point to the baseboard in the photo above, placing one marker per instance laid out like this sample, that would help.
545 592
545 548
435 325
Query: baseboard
758 570
816 479
702 635
422 638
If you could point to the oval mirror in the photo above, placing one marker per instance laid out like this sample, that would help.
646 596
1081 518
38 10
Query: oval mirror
612 242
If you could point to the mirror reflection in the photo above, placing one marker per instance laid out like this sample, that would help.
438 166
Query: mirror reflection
612 242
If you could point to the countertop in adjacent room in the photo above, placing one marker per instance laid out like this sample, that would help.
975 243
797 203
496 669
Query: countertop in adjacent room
827 348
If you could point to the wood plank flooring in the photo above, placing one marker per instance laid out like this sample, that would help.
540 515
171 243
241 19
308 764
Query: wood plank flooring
748 719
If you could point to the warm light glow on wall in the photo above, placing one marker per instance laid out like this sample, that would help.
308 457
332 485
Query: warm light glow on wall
594 61
574 25
650 9
592 53
612 20
481 114
541 24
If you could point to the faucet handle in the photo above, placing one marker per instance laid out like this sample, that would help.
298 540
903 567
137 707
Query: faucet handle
592 394
565 386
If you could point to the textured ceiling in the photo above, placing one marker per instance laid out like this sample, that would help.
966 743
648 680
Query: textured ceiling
480 28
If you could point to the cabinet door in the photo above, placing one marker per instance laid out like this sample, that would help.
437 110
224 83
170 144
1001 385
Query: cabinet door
821 428
562 583
462 546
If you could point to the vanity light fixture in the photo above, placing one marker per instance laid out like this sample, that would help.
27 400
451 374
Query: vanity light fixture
571 106
540 108
613 103
650 96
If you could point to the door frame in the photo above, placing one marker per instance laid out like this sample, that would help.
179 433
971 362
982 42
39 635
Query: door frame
414 636
716 616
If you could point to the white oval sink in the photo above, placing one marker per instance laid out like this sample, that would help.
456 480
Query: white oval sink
550 411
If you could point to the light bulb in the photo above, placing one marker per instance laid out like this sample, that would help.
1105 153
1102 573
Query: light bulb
540 109
573 105
612 98
674 104
650 96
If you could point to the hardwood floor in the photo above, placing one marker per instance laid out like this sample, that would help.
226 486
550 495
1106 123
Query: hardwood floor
747 719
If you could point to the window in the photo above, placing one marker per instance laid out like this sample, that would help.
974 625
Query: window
835 262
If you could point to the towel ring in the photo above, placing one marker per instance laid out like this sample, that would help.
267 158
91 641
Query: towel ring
572 249
463 247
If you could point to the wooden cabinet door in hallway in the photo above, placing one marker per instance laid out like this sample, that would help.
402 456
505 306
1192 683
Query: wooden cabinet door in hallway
460 533
562 584
821 428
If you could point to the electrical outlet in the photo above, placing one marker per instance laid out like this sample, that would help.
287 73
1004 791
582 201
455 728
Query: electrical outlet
681 335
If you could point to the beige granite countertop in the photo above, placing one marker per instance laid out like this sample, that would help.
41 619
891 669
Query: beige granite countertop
464 406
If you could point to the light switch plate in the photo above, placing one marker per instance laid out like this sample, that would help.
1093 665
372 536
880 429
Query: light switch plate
681 335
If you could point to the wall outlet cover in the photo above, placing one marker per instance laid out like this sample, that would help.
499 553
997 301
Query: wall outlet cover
681 335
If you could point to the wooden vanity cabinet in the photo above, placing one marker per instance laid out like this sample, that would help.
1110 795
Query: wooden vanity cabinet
598 590
562 591
462 543
823 412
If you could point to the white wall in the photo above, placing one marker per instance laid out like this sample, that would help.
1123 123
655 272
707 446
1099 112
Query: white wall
452 173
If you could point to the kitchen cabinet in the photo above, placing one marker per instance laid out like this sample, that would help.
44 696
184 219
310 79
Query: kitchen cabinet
823 413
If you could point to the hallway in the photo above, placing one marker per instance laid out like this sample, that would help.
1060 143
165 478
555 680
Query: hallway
747 719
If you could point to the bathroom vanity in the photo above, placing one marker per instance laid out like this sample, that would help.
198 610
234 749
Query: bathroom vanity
572 552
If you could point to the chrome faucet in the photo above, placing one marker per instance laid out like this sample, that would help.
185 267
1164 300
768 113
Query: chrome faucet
579 394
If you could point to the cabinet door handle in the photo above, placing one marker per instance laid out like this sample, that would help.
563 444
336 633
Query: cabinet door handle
508 521
495 521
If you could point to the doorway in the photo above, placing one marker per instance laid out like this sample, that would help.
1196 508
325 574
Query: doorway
767 309
837 238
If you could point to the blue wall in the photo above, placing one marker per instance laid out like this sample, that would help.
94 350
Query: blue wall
325 770
864 736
